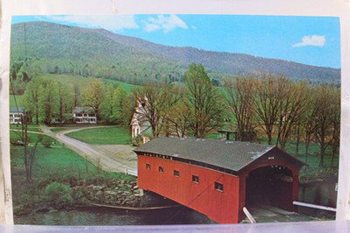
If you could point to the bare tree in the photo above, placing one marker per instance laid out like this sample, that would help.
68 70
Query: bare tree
308 123
178 117
29 152
291 109
268 96
156 99
240 99
324 110
335 124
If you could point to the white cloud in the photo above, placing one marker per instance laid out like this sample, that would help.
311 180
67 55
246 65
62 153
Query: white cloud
111 23
311 40
164 23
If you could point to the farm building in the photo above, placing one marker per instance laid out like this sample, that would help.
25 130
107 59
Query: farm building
16 115
84 115
218 178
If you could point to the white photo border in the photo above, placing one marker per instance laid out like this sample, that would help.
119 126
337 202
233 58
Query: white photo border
336 8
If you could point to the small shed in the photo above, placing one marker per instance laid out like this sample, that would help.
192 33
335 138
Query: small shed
218 178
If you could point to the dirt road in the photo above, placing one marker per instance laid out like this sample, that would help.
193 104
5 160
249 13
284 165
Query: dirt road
112 158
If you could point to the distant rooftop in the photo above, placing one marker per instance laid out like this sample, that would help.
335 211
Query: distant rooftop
83 110
232 155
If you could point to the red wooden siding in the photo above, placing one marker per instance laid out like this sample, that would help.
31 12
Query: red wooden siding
222 207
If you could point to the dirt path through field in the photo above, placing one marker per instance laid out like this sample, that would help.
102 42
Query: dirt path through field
112 158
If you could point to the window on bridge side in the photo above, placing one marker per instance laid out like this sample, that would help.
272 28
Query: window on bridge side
160 169
219 187
195 179
176 173
148 166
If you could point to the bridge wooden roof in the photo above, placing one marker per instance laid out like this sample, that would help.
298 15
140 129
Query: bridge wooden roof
231 155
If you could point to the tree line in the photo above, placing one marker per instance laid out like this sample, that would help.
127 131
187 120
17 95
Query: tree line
270 105
267 105
50 101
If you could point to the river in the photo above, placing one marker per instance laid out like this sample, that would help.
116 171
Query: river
321 193
180 215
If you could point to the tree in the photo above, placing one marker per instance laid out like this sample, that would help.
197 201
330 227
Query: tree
291 109
268 96
64 100
93 96
324 114
335 122
109 104
178 118
126 108
31 98
121 100
76 97
204 101
29 152
240 100
48 100
156 98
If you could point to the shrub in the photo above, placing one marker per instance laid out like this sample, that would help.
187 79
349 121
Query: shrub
137 141
58 195
46 142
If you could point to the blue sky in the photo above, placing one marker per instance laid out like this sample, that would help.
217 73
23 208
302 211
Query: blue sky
308 40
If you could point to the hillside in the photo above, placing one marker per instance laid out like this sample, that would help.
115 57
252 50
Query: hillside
97 52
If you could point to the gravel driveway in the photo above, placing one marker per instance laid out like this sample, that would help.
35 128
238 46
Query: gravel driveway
112 158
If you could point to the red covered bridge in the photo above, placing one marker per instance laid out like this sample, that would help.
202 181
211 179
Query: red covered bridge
218 178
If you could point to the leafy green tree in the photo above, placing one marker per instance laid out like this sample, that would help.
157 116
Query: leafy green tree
109 105
64 101
126 109
31 98
49 100
205 102
120 99
93 96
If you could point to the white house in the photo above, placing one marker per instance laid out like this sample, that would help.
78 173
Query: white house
16 115
84 115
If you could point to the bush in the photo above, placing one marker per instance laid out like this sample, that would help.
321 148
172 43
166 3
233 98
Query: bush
58 195
137 141
46 142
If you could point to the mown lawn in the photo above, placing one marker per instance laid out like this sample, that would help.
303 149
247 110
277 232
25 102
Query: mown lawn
55 164
103 136
83 81
59 129
34 128
19 99
313 169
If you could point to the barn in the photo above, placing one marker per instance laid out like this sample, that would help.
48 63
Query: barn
218 178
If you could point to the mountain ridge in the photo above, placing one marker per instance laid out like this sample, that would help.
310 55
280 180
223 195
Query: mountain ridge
145 59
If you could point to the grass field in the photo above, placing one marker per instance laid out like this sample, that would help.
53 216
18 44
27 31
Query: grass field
59 129
71 80
19 100
55 164
103 136
34 128
83 81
